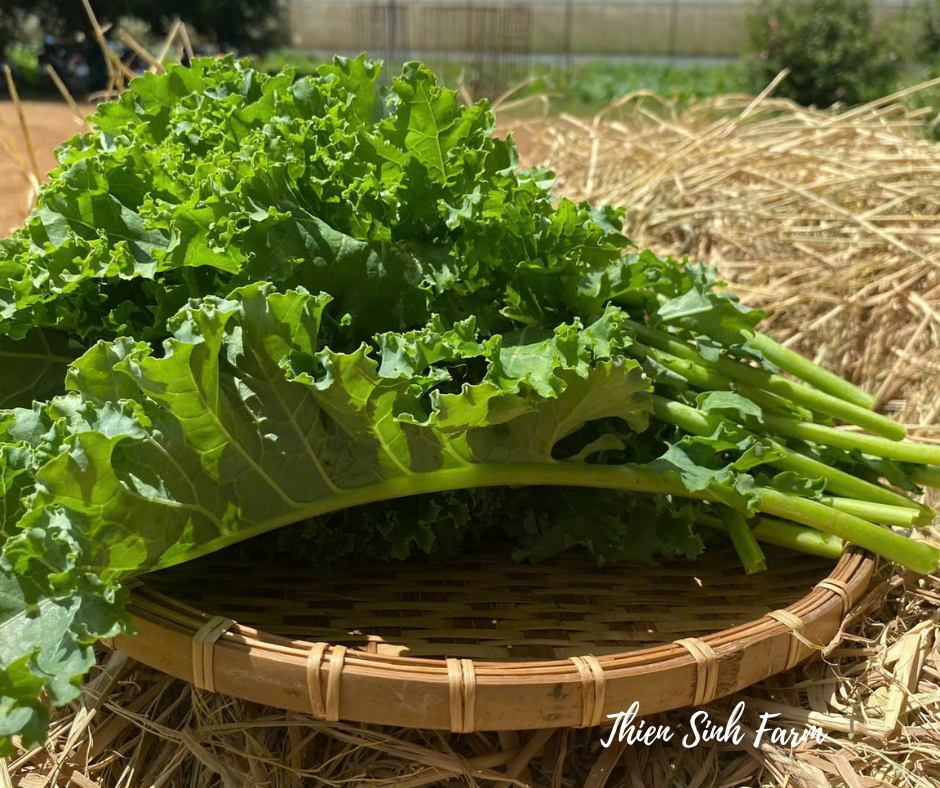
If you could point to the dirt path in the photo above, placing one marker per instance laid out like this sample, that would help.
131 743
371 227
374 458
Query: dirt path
50 123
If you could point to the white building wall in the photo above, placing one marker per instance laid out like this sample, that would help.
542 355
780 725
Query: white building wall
681 28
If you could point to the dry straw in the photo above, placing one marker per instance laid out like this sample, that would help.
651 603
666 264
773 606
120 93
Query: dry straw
67 96
27 164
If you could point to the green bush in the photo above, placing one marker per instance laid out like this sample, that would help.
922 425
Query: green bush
830 46
914 33
25 61
924 98
925 26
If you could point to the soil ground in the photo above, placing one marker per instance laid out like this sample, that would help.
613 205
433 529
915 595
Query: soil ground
50 123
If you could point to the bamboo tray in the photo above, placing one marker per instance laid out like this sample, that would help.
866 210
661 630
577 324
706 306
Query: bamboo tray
485 644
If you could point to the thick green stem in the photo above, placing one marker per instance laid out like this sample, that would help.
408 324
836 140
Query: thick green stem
804 369
744 541
837 481
731 333
806 396
927 475
901 516
843 439
911 554
784 534
842 483
705 379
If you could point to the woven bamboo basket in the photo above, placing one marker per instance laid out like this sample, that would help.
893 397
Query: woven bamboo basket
481 643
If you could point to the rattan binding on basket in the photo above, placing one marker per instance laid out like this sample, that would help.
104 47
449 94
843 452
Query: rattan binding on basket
706 661
325 706
593 689
798 639
463 694
204 651
481 643
841 589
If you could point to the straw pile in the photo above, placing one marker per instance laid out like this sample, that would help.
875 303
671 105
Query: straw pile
832 224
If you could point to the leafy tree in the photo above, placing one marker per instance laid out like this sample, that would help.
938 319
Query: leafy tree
924 25
829 46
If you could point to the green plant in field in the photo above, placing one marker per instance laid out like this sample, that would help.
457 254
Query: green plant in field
830 47
602 81
929 97
242 24
25 61
922 22
277 60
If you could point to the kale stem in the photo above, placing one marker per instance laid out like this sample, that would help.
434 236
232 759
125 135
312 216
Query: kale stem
743 539
868 444
804 369
785 534
629 478
774 384
697 423
927 475
842 483
911 554
701 377
733 331
901 516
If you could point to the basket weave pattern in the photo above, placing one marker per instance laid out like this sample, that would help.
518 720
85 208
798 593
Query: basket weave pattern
481 643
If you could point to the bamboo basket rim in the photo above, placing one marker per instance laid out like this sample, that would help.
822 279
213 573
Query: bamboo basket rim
435 693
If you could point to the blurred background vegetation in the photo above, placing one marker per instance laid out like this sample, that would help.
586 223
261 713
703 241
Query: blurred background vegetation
836 51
